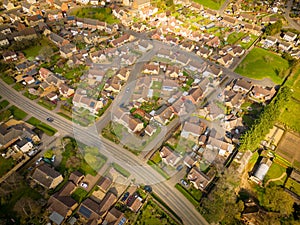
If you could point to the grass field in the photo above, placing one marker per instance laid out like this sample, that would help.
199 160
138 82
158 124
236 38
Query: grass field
294 186
7 79
156 157
290 115
260 63
153 214
42 126
6 165
34 50
186 194
274 172
18 113
212 4
102 14
234 37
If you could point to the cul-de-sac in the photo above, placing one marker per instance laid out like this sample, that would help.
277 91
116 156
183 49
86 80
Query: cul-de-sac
149 112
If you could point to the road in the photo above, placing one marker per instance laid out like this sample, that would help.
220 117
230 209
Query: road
89 136
287 11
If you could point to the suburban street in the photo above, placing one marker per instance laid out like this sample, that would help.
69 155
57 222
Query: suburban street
89 136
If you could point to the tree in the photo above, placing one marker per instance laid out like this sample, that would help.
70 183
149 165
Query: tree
277 200
274 28
48 154
46 52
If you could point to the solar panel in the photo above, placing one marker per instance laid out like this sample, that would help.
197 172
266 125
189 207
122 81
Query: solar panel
85 212
123 220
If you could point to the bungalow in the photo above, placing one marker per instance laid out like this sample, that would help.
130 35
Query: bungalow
29 80
196 7
187 45
289 36
195 94
65 90
123 73
216 71
151 69
192 131
214 42
194 66
66 51
83 101
9 56
164 114
131 123
262 93
34 20
285 46
169 85
236 51
224 148
44 73
136 204
150 130
172 71
242 85
199 179
89 209
104 184
169 157
114 217
204 52
248 17
47 176
128 60
226 60
61 204
113 84
122 40
164 53
76 177
235 101
269 42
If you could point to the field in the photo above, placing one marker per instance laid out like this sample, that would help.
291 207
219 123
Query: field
260 63
290 115
18 113
234 37
275 172
42 126
288 149
34 50
102 14
293 185
153 214
212 4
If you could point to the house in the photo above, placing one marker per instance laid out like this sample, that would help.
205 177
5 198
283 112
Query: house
164 53
199 179
242 85
65 90
195 94
83 101
76 177
284 46
23 145
194 66
122 40
150 130
289 36
248 17
230 21
34 20
113 85
123 73
104 184
214 111
114 217
67 50
29 80
169 157
225 60
204 52
150 69
164 114
138 27
236 51
192 131
261 171
89 209
188 46
9 56
61 204
131 123
58 40
235 101
172 71
140 4
44 73
169 85
190 160
223 148
269 42
182 59
260 93
144 46
26 34
47 176
136 204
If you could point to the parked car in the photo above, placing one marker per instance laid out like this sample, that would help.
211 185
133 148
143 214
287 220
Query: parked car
183 182
179 167
148 188
84 185
125 196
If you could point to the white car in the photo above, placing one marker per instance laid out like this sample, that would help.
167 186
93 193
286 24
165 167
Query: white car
84 185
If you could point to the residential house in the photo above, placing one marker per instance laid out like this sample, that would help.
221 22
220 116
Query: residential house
182 59
285 46
269 42
138 27
23 145
34 20
235 101
140 4
242 85
289 36
226 60
136 204
236 51
66 51
114 217
89 209
164 114
169 157
90 104
169 85
44 73
104 184
122 40
172 71
47 176
204 52
58 40
192 131
131 123
199 179
214 111
223 147
9 56
123 73
144 46
190 160
187 45
248 17
164 53
65 90
259 93
26 34
3 41
61 204
150 130
151 69
195 94
76 177
113 84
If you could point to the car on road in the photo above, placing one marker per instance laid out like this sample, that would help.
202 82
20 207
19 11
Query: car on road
184 183
148 188
127 90
84 185
49 119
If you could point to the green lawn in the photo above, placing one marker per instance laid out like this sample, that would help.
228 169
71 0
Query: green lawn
30 96
156 157
79 194
6 165
152 214
290 115
94 158
18 113
234 37
102 14
274 172
3 104
7 79
42 126
158 169
156 85
294 186
248 44
260 63
47 104
296 89
18 87
120 169
34 50
212 4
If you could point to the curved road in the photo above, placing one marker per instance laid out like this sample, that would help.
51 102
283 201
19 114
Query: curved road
89 136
